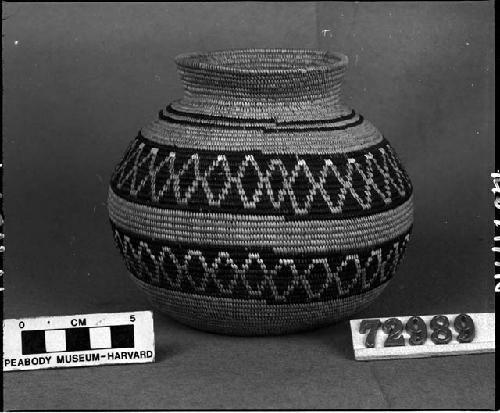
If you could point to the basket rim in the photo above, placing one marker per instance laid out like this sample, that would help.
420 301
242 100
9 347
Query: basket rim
196 61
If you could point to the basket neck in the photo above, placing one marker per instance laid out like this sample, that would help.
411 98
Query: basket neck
253 77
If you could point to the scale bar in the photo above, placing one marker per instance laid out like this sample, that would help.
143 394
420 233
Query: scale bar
77 339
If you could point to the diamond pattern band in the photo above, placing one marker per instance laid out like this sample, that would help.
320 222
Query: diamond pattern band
259 274
317 186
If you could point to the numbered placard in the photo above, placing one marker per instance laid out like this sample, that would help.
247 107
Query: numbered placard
78 340
423 336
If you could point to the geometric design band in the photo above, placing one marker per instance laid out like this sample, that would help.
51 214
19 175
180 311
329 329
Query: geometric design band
77 339
318 187
259 274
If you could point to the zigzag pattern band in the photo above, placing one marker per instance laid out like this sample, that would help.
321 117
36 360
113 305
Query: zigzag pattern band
317 186
259 274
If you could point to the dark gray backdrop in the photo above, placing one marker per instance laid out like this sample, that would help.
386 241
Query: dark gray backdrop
81 79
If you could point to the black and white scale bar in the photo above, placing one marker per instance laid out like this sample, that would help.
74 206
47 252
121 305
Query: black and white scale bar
78 340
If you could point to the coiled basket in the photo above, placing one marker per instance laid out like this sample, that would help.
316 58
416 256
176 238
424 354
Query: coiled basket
258 203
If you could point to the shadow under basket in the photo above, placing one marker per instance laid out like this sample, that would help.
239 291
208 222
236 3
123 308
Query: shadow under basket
258 203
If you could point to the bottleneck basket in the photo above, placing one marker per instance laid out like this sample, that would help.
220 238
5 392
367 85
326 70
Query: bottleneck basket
258 203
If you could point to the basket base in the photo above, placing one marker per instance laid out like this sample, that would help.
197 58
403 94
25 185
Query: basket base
252 317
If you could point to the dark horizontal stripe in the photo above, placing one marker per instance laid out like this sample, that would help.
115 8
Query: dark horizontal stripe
319 128
260 274
264 129
233 203
273 121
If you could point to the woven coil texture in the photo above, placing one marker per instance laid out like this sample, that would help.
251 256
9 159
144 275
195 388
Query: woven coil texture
258 204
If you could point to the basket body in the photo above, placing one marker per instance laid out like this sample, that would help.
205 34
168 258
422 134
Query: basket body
259 204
